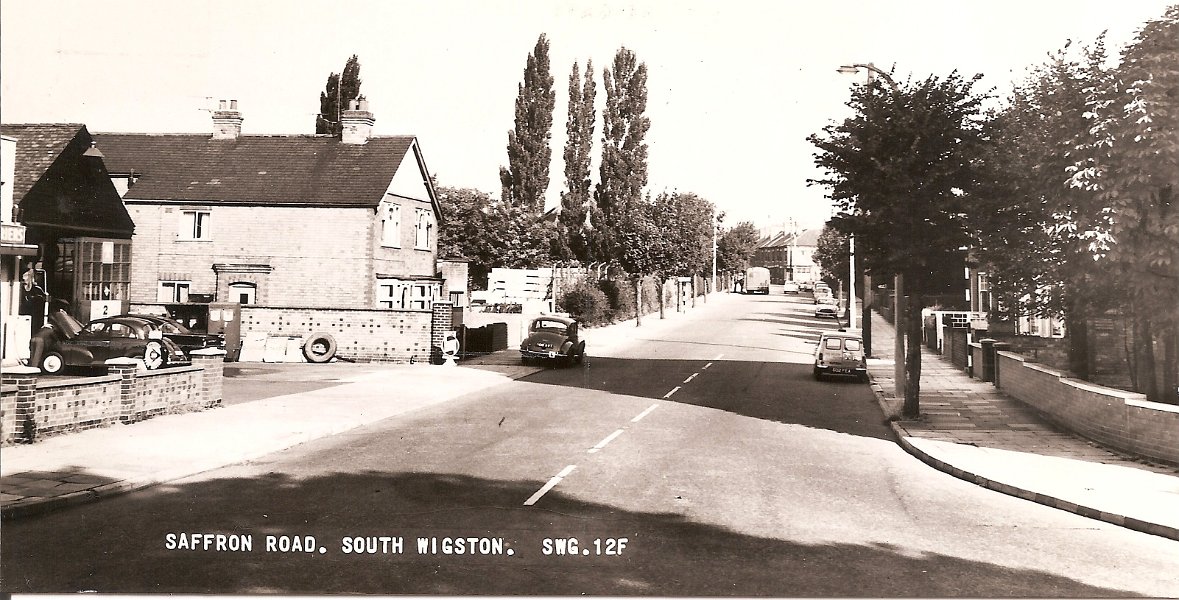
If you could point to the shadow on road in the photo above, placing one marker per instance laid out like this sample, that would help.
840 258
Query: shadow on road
118 546
774 391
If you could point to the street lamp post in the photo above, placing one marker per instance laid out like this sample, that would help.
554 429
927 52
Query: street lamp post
899 279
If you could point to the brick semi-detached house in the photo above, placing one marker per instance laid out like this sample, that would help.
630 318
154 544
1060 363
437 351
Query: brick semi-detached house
309 221
307 232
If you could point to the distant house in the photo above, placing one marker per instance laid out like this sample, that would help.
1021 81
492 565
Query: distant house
66 234
309 221
789 255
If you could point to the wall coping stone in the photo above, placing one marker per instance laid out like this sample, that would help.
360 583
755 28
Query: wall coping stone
1101 389
49 384
168 371
122 360
1046 369
1013 356
1171 408
21 370
208 352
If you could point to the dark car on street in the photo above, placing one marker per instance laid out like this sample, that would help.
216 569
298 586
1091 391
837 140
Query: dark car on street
187 339
553 337
70 344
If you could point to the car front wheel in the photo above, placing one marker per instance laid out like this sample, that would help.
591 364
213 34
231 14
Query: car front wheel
53 363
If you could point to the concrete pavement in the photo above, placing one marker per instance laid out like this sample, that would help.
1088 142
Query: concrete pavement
967 429
971 430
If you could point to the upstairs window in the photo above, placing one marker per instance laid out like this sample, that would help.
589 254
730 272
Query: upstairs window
422 230
194 225
390 225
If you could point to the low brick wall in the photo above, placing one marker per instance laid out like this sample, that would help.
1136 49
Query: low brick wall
32 408
954 346
362 335
1121 420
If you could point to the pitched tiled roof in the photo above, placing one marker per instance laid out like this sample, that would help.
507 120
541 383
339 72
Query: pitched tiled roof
809 237
310 170
58 189
37 147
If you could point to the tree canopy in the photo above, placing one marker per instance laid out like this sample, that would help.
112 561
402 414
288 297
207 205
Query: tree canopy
623 169
341 88
526 178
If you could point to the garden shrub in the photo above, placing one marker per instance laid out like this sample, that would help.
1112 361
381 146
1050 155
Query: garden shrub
621 294
586 303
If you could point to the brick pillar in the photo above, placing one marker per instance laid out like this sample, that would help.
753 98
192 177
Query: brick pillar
440 323
25 380
212 364
125 369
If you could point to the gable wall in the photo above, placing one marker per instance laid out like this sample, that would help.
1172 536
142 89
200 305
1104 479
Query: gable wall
320 257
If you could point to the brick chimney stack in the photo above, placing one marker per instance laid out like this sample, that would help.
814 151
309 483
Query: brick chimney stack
227 121
356 122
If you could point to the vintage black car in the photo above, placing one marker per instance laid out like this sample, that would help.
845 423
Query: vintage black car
70 344
553 337
187 339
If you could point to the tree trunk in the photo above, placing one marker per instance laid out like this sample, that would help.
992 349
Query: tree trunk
660 289
1170 366
1077 328
1144 348
638 301
914 336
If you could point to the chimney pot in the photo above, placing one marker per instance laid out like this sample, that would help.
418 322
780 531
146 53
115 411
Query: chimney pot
227 121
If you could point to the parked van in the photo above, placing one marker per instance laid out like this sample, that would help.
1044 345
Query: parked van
757 280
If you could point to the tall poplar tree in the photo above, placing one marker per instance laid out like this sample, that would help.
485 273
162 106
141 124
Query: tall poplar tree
579 128
526 177
623 170
340 89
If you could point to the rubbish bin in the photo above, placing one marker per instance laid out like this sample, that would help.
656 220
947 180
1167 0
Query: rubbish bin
988 359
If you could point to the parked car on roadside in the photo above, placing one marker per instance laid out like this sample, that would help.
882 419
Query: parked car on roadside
791 287
187 339
70 344
841 353
553 337
826 306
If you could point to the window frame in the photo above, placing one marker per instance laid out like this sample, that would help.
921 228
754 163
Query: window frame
176 296
195 225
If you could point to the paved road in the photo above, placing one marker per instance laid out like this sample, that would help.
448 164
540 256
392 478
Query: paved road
699 459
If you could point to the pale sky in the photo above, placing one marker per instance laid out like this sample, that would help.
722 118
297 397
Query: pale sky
734 87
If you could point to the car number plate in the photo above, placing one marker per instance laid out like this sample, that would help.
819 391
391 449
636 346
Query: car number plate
552 355
840 370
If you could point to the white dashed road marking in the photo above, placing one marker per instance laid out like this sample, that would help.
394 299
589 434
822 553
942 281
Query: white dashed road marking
609 438
674 390
691 377
548 486
644 413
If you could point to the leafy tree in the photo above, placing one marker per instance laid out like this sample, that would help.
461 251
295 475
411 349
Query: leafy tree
490 234
736 245
1032 228
469 230
832 256
900 170
571 240
340 89
1132 164
526 178
623 169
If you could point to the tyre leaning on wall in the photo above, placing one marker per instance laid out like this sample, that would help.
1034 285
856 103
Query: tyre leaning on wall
319 348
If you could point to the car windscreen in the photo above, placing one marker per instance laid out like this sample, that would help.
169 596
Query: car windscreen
553 326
